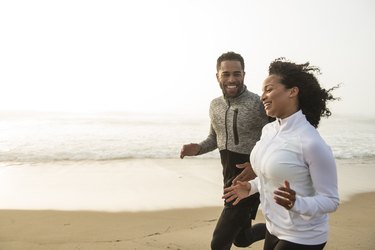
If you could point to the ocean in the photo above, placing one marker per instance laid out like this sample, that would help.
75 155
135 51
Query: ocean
49 137
130 162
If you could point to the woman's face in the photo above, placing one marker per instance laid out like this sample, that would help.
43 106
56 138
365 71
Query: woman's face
278 101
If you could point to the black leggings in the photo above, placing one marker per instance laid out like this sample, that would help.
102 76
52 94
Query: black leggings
273 243
234 227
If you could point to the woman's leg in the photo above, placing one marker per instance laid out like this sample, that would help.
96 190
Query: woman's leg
270 241
273 243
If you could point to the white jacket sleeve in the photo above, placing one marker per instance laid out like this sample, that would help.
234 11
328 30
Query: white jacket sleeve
254 186
322 168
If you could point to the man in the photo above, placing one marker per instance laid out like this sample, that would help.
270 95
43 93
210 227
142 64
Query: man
237 119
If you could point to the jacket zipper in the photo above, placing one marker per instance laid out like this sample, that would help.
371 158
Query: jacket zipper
235 130
226 126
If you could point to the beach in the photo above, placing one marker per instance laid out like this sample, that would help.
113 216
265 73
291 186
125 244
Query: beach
168 220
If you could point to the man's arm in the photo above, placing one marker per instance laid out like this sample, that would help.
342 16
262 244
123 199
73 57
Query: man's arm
203 147
191 149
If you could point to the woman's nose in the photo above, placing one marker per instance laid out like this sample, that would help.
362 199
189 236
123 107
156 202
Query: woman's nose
262 97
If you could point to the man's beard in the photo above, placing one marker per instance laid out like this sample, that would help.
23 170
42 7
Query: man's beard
228 93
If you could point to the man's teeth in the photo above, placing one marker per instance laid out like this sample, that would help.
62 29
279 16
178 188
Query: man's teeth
231 87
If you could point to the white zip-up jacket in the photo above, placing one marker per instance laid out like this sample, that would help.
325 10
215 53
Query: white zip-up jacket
291 149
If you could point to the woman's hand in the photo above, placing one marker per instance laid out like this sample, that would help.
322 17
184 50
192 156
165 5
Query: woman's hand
247 173
237 192
285 196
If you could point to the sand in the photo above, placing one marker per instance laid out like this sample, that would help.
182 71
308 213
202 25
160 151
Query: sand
351 227
39 227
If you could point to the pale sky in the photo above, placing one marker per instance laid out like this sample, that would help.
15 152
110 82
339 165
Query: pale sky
160 55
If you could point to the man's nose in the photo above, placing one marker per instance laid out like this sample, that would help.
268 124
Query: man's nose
232 78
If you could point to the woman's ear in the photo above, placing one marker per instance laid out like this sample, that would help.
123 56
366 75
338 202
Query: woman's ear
294 91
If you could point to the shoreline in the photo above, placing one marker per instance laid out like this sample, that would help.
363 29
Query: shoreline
351 227
139 184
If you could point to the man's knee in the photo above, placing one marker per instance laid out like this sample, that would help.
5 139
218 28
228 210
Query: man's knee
242 240
218 244
249 235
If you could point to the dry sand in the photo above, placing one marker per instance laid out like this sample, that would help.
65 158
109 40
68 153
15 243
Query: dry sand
27 193
352 226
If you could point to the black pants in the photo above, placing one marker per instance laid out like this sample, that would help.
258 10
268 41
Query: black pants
273 243
234 227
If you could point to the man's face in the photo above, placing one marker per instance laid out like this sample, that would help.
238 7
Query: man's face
230 77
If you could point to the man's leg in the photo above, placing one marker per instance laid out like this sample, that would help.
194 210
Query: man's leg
228 226
250 234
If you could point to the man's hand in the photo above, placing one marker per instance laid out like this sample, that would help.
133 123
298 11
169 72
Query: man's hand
247 173
191 149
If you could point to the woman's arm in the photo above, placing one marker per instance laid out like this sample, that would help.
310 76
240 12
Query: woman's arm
322 168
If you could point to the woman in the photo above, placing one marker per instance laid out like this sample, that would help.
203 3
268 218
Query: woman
296 170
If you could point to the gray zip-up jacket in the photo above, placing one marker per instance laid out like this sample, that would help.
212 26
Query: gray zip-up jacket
236 123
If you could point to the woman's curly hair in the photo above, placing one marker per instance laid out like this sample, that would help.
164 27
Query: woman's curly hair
311 97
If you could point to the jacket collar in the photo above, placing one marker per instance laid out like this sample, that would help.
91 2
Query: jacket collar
291 122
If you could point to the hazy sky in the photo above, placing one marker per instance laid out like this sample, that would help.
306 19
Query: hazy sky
160 55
